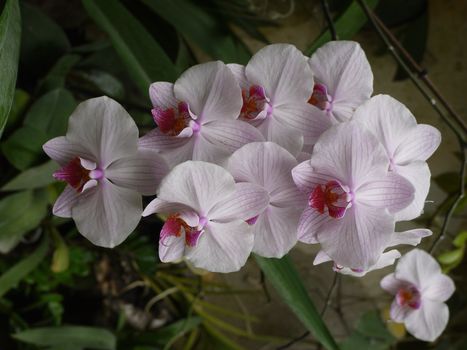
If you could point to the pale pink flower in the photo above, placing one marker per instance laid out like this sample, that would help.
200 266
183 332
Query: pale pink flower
197 116
105 171
207 216
343 79
408 145
411 237
276 85
420 290
268 165
352 197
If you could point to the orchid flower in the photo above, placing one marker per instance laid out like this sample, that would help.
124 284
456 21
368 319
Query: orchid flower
197 116
351 196
268 165
420 290
343 79
105 171
411 237
207 216
408 145
276 85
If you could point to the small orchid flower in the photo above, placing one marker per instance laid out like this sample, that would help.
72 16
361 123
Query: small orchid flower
420 290
343 79
408 145
105 171
197 116
276 85
268 165
411 237
351 196
207 216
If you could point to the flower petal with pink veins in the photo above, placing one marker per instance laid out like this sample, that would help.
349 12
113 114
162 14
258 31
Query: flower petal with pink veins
142 172
65 202
386 259
309 224
419 144
441 288
162 95
107 214
343 68
282 70
63 151
283 135
428 322
223 247
412 237
306 179
211 91
391 284
417 267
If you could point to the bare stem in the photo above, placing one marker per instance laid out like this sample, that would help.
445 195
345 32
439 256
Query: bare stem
330 22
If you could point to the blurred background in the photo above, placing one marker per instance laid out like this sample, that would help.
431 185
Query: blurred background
58 291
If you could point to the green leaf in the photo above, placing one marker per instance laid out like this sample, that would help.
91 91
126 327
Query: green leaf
460 239
145 59
284 277
347 25
57 75
20 213
78 336
16 273
452 257
47 118
209 33
10 34
101 82
19 107
36 177
61 257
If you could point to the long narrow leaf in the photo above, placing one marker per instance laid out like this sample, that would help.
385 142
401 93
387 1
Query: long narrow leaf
287 282
10 37
145 59
347 25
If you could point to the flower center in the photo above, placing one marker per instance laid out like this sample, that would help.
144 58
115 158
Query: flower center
79 173
255 103
320 97
175 226
409 296
332 196
174 122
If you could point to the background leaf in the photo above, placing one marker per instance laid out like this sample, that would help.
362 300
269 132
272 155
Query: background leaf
36 177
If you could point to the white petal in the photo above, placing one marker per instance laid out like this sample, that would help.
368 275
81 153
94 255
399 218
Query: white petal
288 196
321 257
63 151
392 192
162 95
223 247
248 201
419 144
65 202
206 151
399 313
142 172
391 284
172 249
428 322
284 136
103 127
211 91
107 214
239 73
441 288
309 224
319 123
344 69
417 267
275 231
412 237
199 185
306 179
418 173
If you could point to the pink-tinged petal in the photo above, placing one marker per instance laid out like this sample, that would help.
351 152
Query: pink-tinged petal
223 247
388 119
309 224
417 267
162 95
418 173
230 134
284 136
306 179
63 151
350 154
391 284
239 73
206 151
172 249
103 127
107 214
386 259
344 69
428 322
283 72
305 154
275 231
419 144
184 212
288 196
263 163
441 288
248 201
199 185
400 313
211 91
358 239
321 257
392 192
319 123
65 202
412 237
142 172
